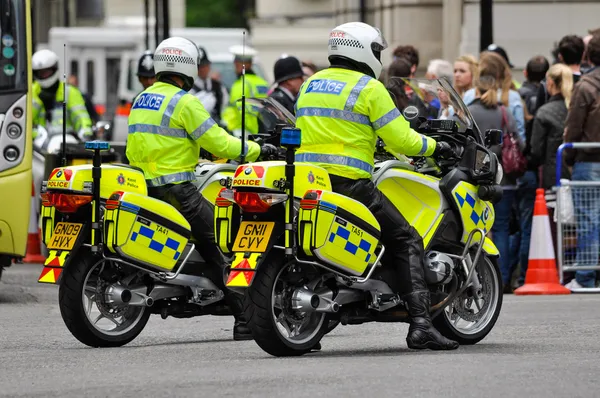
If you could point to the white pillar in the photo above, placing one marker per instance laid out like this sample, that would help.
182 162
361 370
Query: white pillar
452 27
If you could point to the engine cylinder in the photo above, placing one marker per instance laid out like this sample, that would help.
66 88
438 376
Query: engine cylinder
438 268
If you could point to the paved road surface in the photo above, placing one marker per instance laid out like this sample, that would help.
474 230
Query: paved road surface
541 347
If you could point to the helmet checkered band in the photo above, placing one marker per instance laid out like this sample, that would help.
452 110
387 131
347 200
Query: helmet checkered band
337 41
174 58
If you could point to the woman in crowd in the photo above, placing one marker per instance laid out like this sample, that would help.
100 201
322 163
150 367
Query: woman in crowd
489 113
465 73
549 123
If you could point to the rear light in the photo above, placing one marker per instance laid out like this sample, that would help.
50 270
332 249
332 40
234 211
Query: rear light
225 198
65 203
254 202
112 203
310 200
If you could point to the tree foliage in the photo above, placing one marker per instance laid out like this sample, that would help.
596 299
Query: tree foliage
218 13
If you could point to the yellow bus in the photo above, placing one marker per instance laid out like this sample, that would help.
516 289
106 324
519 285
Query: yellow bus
15 128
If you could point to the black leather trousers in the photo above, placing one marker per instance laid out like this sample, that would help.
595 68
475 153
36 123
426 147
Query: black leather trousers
404 245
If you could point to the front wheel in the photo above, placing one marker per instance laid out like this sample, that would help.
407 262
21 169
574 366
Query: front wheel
469 319
276 327
83 307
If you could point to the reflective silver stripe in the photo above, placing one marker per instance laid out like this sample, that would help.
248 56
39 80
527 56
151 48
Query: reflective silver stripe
203 128
78 108
37 105
424 148
334 159
171 178
166 119
336 114
353 97
387 118
160 130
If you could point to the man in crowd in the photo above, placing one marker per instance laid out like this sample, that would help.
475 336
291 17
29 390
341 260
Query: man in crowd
582 126
211 92
570 53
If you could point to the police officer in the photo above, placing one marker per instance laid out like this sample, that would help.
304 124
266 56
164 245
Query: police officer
48 98
256 87
341 112
167 127
145 70
210 92
289 77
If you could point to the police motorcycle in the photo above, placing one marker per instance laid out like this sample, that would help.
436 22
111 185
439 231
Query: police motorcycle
316 258
119 255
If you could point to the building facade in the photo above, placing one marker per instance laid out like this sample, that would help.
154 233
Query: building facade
438 28
50 13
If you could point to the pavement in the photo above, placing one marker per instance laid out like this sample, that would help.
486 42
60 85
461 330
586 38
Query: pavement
543 346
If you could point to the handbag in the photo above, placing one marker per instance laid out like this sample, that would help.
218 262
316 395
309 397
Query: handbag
514 163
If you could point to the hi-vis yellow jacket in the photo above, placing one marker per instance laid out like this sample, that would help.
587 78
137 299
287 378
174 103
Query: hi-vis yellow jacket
341 112
167 127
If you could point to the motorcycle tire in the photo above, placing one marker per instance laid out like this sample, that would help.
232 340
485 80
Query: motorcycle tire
259 314
448 330
74 314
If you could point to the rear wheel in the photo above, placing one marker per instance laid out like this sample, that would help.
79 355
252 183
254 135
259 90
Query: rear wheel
83 307
276 327
468 319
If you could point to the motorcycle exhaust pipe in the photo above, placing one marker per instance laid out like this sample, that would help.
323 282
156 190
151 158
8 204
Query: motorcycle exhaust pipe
120 295
306 300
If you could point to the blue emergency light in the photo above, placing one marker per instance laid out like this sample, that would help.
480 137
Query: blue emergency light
93 145
291 137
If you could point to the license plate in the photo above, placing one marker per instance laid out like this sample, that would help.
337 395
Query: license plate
64 236
253 236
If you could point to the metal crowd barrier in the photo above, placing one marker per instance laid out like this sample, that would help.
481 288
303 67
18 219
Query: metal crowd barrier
577 239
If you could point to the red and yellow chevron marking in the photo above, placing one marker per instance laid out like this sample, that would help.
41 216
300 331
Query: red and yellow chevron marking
55 259
50 275
251 172
238 277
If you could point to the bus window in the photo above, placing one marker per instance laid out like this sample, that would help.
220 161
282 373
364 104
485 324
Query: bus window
90 79
75 67
13 64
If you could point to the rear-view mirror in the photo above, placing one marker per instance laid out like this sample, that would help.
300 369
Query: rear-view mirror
493 137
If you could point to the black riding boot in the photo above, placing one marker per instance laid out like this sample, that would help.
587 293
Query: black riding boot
235 301
422 334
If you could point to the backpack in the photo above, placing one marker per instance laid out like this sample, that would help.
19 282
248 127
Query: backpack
514 163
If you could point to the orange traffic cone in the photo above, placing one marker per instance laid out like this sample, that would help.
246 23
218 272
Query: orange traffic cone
542 274
34 246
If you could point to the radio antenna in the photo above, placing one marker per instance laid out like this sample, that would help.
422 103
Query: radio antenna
64 108
243 155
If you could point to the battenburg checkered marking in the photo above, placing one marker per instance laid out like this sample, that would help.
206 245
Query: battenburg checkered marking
475 217
350 247
154 244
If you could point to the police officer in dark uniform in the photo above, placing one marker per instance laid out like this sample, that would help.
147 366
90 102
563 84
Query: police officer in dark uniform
145 70
289 77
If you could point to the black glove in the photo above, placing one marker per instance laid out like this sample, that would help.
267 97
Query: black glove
443 150
268 152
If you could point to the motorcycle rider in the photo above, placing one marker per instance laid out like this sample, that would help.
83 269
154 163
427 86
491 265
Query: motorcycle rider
48 97
211 92
341 112
256 87
289 77
167 127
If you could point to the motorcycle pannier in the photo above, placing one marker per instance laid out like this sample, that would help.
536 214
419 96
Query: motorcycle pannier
145 230
339 231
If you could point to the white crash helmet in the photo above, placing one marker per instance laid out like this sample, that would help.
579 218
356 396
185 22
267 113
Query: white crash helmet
45 67
177 56
359 42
